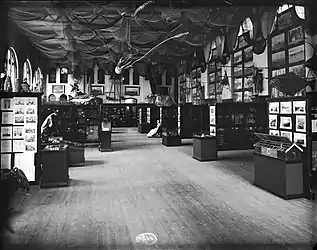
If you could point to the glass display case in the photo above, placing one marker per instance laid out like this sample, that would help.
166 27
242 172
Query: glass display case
205 141
278 166
171 126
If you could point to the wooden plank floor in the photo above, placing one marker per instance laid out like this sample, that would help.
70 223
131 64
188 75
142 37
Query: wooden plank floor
143 186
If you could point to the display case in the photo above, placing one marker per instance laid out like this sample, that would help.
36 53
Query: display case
105 136
237 122
171 126
205 141
55 166
144 123
291 117
20 133
278 166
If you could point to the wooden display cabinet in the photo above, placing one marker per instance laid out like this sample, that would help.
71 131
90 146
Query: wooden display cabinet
55 166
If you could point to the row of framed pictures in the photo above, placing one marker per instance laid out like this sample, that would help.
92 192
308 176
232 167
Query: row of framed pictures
287 107
294 37
295 55
299 138
285 122
244 55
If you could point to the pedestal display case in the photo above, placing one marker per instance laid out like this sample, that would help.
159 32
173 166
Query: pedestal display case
290 117
205 142
279 166
55 166
170 126
144 125
105 137
20 133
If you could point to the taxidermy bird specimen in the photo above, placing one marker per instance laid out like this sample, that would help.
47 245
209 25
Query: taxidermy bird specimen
11 181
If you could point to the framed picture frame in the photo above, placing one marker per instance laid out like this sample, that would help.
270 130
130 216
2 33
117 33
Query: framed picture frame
286 108
300 123
299 70
278 42
273 121
285 122
58 89
299 107
296 54
278 60
295 35
237 57
6 132
287 134
97 90
300 139
6 103
274 107
248 54
132 90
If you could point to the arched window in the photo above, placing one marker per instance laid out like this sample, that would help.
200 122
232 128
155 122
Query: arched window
37 83
101 76
27 73
12 65
63 75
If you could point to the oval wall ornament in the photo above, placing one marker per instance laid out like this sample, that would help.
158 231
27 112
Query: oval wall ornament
146 238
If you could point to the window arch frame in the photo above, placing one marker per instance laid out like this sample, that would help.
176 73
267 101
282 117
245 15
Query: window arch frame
28 74
38 77
11 54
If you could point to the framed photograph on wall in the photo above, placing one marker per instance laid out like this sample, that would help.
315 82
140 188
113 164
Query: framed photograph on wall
6 132
300 123
248 54
273 121
285 122
237 57
296 54
278 42
287 134
286 108
58 89
6 103
132 90
299 70
97 90
274 107
278 60
295 35
299 107
300 139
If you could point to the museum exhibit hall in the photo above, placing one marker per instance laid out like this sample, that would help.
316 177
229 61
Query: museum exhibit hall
158 125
